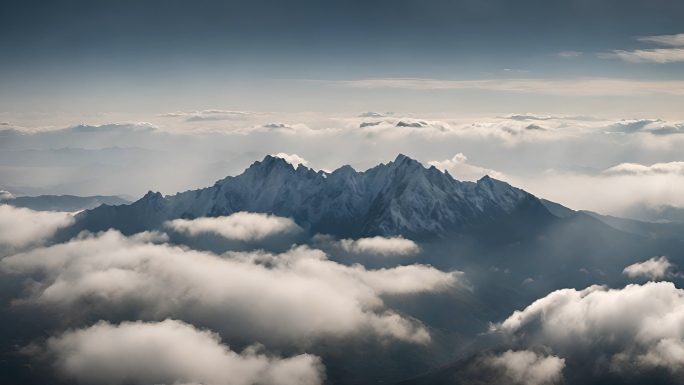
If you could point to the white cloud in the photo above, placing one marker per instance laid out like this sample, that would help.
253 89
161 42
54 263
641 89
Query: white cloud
668 353
176 114
293 159
639 325
21 227
297 296
171 352
241 226
4 195
671 40
574 87
569 54
393 246
528 368
661 55
460 170
671 168
654 268
613 190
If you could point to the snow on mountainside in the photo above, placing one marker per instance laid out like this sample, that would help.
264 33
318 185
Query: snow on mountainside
398 198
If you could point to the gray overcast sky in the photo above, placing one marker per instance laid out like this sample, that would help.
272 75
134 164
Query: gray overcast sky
152 56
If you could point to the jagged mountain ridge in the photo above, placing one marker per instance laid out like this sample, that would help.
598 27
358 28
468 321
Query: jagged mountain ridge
399 198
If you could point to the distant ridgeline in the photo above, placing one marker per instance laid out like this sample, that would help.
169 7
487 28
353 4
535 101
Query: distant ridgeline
398 198
68 203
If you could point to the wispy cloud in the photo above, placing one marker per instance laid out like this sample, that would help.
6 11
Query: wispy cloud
569 54
565 87
659 55
671 40
662 55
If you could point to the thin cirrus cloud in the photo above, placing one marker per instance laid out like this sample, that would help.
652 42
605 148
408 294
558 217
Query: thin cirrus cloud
661 55
242 226
658 55
298 296
169 352
569 54
576 87
670 40
642 320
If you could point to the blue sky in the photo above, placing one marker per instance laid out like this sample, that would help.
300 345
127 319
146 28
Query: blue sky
149 56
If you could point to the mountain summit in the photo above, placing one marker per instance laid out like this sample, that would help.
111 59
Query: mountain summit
398 198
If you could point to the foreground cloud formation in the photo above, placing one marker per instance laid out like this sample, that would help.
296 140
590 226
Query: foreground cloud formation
654 268
171 352
637 326
295 297
398 246
241 226
21 227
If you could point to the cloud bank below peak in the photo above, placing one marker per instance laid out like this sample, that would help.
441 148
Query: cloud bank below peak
170 352
242 226
21 227
294 297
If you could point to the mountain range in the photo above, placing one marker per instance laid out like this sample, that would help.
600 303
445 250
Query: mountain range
68 203
512 247
398 198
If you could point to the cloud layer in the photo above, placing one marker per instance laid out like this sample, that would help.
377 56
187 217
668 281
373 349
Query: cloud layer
294 297
21 227
170 352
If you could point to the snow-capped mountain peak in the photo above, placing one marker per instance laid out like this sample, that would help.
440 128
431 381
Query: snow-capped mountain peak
401 197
